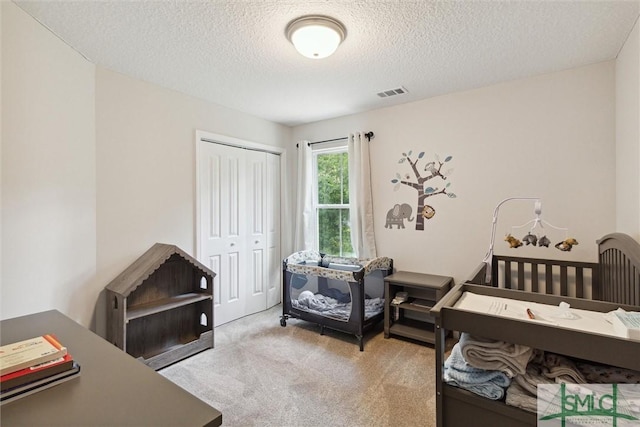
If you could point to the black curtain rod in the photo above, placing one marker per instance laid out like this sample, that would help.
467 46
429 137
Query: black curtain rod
328 140
369 135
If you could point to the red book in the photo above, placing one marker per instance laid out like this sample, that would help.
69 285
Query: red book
37 372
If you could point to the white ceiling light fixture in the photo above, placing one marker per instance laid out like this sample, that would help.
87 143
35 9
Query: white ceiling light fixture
316 36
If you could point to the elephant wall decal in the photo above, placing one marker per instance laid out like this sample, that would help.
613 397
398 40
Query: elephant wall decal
397 214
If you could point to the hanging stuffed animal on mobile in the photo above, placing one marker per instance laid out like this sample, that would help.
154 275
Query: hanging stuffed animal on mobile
530 239
567 244
544 241
513 242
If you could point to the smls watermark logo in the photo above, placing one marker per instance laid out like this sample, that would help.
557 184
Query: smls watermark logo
591 405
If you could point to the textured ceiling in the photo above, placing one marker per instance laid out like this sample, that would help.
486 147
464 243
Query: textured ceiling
235 54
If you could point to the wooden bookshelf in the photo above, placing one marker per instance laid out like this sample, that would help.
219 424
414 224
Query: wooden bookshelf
160 309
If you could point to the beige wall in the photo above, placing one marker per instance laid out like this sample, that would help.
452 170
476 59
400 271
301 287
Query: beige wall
628 136
48 172
1 107
551 136
96 167
146 164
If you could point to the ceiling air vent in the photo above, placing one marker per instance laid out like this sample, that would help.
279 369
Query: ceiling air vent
393 92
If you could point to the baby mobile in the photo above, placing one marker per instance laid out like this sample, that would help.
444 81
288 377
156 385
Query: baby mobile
536 235
531 238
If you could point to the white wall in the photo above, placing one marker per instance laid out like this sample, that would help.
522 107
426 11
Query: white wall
551 136
628 136
48 172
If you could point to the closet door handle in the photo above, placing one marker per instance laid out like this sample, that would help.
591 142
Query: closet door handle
257 241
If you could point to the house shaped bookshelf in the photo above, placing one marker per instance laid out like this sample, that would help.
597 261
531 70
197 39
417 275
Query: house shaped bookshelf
160 308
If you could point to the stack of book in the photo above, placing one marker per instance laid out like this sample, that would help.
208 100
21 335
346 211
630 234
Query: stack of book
32 365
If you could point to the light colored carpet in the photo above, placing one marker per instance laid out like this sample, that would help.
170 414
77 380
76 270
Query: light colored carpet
261 374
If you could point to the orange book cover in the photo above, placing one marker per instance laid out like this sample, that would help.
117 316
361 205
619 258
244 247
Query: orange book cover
23 354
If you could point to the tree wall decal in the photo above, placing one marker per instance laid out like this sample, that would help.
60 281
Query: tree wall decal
420 183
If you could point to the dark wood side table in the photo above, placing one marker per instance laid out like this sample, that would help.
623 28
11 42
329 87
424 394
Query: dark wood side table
412 319
113 388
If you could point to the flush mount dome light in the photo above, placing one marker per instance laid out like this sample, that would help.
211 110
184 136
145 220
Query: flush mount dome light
316 36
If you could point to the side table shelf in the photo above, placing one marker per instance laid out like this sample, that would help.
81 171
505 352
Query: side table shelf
412 319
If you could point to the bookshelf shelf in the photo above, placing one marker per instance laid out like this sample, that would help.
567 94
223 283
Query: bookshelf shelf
164 304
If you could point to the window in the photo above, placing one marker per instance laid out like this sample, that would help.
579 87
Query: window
331 201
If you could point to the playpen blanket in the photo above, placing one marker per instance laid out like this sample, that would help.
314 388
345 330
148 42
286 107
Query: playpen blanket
330 307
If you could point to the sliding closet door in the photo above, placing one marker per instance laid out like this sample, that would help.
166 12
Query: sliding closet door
256 214
222 229
238 239
274 259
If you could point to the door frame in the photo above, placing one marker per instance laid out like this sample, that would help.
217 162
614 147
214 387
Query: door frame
213 138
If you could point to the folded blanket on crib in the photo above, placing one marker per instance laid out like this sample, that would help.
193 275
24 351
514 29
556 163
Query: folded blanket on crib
524 392
549 369
532 377
552 368
458 372
481 353
519 397
561 369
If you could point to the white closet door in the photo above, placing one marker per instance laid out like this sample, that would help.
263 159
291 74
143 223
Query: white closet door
256 238
239 238
223 229
274 257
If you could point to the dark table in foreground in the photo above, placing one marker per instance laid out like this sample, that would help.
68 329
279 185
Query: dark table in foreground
113 388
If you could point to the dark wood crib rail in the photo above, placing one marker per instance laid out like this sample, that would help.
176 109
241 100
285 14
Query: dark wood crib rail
615 278
544 276
619 257
574 278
